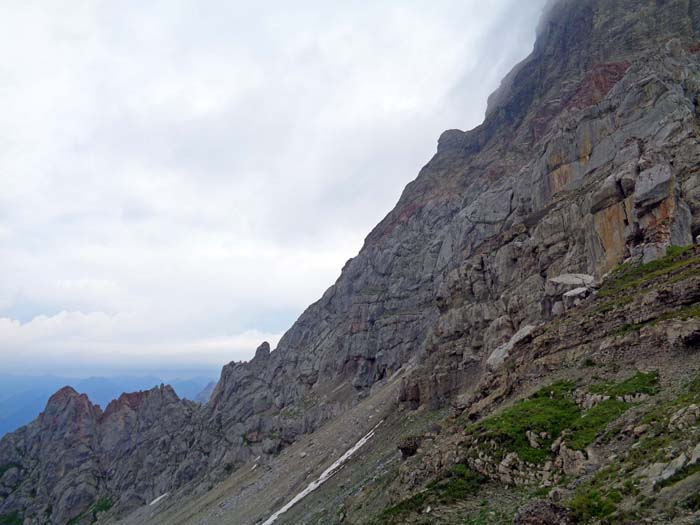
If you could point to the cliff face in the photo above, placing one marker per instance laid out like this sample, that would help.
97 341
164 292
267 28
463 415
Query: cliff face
588 156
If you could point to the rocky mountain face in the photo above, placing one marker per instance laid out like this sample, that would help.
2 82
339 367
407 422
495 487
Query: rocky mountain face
588 157
74 454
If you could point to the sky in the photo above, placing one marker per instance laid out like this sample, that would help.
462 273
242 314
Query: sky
180 179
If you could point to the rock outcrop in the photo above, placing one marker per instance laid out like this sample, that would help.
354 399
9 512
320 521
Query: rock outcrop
588 157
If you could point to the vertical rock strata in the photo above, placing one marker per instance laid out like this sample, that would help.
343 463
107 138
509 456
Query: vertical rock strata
588 156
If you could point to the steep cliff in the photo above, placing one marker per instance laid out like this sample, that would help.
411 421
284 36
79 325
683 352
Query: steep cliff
588 157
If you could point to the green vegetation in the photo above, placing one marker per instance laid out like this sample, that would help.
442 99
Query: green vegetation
628 276
101 505
650 450
457 484
692 502
5 467
598 499
680 263
403 508
639 383
589 504
553 411
677 251
587 427
595 499
683 314
11 519
550 411
454 485
690 393
612 304
490 516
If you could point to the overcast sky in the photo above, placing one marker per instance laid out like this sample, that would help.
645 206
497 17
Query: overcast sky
180 179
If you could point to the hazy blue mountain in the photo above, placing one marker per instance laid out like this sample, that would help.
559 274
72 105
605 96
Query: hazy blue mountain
205 395
191 388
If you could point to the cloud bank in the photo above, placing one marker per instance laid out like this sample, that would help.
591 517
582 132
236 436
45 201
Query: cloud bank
181 179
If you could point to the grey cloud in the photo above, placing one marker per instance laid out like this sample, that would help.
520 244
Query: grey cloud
182 177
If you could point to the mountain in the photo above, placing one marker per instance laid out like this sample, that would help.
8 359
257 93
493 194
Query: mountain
516 340
22 398
205 394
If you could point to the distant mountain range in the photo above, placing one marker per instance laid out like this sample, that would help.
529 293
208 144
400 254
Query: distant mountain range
22 398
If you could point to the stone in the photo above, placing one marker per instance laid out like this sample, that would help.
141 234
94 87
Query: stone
262 352
574 297
574 280
542 513
558 308
640 429
653 472
499 355
685 418
671 469
559 494
609 193
409 446
571 462
628 182
532 439
653 186
695 455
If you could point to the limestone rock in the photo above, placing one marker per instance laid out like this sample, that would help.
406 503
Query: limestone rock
671 469
499 354
543 513
653 186
574 297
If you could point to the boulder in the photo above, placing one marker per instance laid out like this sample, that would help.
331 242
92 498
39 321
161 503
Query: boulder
574 297
672 468
542 512
609 193
653 186
409 446
573 279
499 354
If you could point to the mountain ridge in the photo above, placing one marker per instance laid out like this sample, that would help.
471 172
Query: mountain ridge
24 397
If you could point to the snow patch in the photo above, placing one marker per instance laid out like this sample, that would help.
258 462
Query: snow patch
324 477
158 499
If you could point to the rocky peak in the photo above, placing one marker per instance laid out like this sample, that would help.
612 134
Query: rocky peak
262 352
65 396
131 401
69 408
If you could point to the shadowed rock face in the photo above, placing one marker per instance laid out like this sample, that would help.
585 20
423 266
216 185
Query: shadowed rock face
588 156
